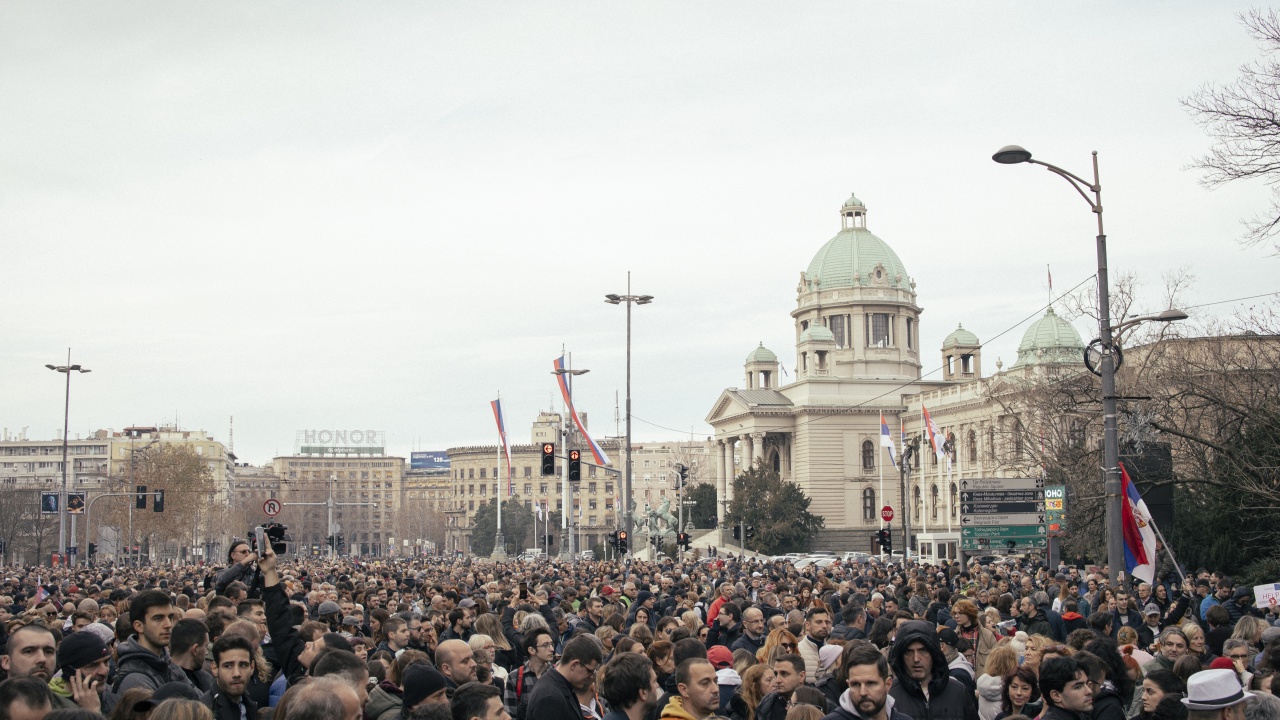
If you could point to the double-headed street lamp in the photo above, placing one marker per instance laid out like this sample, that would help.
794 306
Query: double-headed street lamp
66 425
629 299
1107 351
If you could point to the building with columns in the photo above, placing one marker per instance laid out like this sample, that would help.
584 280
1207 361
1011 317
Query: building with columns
857 360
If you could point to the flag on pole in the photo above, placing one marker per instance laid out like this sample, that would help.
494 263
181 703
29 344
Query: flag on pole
933 431
1050 273
538 509
1139 537
886 440
562 378
502 437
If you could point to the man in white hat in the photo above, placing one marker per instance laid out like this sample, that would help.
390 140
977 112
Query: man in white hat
1215 695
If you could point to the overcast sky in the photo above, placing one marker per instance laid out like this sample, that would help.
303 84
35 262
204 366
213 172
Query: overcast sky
381 215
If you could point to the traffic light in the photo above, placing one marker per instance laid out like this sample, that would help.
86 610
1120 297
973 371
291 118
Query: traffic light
737 531
885 539
142 497
751 531
1012 544
622 541
575 466
548 459
93 549
329 541
682 540
158 503
613 540
683 471
550 539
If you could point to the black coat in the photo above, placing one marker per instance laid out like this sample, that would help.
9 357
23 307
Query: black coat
553 699
1107 706
948 699
284 636
224 709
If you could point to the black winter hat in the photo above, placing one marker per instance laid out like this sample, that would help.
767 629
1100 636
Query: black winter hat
80 649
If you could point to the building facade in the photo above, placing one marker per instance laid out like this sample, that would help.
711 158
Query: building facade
367 490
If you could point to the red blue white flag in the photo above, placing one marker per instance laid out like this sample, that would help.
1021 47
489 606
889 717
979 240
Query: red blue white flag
561 377
1139 537
886 440
932 430
502 436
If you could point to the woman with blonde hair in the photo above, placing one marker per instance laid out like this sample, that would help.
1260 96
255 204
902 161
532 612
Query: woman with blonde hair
779 642
1035 649
1000 664
757 682
691 620
505 656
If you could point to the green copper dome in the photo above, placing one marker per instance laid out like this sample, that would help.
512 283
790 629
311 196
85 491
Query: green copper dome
761 354
856 254
960 336
817 333
1050 340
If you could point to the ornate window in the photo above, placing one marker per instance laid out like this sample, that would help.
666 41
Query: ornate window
878 330
933 500
868 504
868 455
973 446
955 501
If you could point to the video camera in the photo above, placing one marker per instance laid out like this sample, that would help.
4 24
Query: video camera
272 532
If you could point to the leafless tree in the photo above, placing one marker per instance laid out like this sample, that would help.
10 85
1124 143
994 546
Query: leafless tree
1243 117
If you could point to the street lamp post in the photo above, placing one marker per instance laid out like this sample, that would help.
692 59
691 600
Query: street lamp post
66 425
629 299
1106 369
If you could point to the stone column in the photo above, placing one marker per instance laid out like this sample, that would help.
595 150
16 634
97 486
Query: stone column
784 449
731 470
757 446
748 450
721 474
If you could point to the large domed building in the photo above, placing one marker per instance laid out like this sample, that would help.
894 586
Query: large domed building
857 359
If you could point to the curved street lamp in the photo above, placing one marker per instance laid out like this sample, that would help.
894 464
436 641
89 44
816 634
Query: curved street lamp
1107 352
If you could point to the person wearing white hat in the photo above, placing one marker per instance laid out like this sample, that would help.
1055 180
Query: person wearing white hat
1215 695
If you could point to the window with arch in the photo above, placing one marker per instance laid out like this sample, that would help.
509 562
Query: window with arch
933 500
1019 447
919 503
973 446
991 443
868 455
955 501
868 504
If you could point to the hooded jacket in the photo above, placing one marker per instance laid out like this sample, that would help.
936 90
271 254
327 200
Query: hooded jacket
989 696
137 666
385 702
947 698
847 710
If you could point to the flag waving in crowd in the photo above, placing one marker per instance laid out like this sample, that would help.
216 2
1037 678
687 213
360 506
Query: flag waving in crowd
1139 536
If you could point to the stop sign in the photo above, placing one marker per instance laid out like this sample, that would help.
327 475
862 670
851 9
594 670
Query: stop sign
886 513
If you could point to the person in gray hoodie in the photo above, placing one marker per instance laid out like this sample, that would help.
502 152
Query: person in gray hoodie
865 672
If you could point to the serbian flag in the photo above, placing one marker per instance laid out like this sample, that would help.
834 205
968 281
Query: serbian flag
1139 538
933 431
502 436
562 378
886 441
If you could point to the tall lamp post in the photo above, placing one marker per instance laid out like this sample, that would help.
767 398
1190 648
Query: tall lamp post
629 299
66 426
1108 353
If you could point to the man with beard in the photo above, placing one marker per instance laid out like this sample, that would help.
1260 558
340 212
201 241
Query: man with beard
232 668
30 652
817 628
630 686
143 660
1064 685
866 673
554 698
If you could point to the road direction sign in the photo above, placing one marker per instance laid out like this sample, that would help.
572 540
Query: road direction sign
1026 496
1003 533
271 507
993 544
1002 519
886 513
1002 484
999 508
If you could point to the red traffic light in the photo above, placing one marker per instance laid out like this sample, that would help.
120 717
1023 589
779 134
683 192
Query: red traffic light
548 448
622 534
575 455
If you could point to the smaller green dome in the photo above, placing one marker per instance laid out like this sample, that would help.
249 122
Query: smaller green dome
1050 340
853 202
817 333
761 354
960 336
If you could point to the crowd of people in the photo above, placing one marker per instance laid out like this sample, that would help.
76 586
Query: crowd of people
463 639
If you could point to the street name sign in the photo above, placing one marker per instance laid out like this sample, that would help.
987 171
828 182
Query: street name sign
1002 519
1003 533
997 511
1002 484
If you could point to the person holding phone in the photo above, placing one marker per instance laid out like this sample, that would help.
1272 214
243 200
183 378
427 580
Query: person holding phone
83 661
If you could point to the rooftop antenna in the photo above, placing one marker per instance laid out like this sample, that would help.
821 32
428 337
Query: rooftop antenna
617 418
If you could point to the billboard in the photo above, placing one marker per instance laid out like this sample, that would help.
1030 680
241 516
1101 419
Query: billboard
340 442
429 460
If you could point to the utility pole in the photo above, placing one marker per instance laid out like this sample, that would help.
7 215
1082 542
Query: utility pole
909 450
66 426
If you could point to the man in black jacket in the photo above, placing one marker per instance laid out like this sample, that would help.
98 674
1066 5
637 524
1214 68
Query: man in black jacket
924 688
1064 685
553 698
232 668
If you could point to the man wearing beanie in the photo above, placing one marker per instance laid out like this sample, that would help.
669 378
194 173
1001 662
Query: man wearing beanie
423 685
82 659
